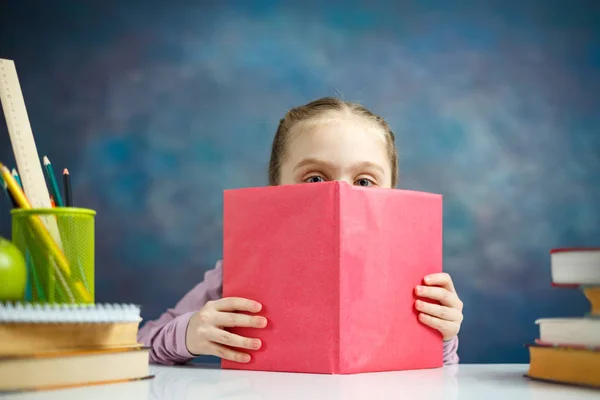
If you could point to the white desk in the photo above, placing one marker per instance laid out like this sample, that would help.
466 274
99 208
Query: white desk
468 381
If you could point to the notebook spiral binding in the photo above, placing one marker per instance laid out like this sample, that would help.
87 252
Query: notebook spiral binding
68 313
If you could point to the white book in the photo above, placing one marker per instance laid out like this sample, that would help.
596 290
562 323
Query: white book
575 266
570 331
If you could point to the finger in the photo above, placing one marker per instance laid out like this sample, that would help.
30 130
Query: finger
441 312
232 340
441 279
442 295
448 329
225 353
242 320
235 304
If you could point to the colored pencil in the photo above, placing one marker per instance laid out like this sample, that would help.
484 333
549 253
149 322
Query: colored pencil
22 202
15 174
53 185
8 194
82 288
34 278
67 187
44 235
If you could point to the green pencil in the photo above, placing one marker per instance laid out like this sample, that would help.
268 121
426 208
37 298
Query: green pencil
53 184
17 178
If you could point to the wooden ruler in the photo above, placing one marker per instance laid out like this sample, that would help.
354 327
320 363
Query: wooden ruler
23 144
30 170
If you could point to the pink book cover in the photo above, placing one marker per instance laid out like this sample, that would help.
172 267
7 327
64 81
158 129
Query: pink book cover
335 267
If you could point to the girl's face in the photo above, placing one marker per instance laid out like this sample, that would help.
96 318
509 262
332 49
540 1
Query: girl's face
337 147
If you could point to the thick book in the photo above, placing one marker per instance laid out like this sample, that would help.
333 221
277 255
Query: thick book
335 267
31 328
575 266
66 369
570 331
564 364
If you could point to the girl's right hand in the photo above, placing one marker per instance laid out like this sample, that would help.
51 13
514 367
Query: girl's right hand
205 334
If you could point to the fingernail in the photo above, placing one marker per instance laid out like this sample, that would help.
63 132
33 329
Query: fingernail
428 279
245 358
256 344
419 289
260 321
257 306
419 303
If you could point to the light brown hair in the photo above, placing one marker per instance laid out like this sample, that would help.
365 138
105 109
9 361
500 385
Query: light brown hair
316 109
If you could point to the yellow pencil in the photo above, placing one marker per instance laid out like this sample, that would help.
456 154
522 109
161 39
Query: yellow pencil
22 201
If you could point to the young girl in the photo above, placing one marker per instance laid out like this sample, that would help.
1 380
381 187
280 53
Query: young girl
327 139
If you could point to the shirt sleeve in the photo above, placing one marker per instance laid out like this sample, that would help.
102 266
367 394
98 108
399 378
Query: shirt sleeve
451 351
166 335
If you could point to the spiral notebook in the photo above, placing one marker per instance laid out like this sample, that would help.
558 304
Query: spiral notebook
68 313
28 328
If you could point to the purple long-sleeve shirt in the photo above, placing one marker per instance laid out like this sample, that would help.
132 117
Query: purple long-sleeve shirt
166 335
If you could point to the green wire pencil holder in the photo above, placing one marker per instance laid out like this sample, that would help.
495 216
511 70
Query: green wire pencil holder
58 245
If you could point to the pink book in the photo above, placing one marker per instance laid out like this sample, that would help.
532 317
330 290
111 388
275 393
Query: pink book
335 267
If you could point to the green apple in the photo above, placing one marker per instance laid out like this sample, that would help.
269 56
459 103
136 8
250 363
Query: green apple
13 272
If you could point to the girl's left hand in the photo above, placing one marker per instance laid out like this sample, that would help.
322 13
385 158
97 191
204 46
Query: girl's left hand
445 317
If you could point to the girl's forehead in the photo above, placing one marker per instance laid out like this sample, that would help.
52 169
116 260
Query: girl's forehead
350 124
338 128
339 139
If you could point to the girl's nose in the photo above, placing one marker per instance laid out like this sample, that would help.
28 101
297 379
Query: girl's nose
345 179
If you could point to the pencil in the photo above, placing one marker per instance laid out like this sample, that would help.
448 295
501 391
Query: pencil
80 286
22 202
53 185
67 186
15 174
8 194
37 224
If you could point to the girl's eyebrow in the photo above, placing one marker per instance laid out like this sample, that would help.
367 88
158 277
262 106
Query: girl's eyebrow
361 165
312 161
370 165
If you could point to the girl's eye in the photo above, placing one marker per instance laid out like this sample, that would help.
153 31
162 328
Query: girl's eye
364 182
315 179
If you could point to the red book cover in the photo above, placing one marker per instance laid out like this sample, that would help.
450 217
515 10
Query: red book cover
335 267
574 249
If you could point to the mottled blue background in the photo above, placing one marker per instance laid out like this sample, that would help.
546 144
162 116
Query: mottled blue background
157 108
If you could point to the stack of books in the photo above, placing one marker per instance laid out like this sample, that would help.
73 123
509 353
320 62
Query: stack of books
568 349
55 346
